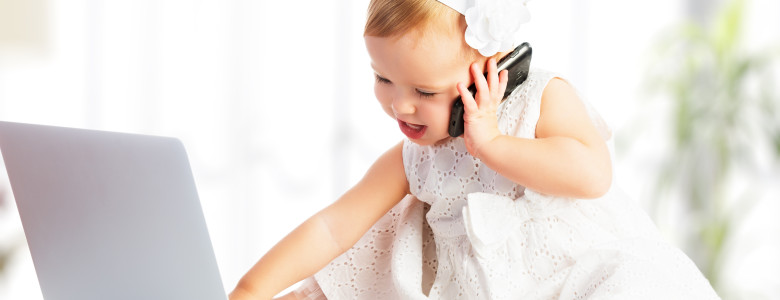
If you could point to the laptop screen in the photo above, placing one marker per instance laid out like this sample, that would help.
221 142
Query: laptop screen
109 215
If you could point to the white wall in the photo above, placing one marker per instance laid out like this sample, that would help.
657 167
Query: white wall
273 99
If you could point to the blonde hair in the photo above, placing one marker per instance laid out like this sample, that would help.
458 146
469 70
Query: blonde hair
388 18
394 18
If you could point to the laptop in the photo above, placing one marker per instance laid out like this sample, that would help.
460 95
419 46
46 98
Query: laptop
109 215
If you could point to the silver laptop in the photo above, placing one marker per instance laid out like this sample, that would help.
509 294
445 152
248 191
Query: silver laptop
109 215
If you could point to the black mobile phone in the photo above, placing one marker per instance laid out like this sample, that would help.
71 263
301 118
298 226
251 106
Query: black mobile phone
516 63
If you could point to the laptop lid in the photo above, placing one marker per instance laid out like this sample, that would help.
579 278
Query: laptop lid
109 215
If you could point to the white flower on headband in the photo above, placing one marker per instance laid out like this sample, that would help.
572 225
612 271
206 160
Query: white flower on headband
492 25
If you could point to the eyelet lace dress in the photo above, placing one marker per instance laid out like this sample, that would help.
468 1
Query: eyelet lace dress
466 232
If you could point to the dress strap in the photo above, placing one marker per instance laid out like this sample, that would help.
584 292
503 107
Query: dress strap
519 113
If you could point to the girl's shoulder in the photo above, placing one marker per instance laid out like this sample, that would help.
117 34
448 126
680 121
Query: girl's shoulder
558 88
537 80
531 90
541 73
520 112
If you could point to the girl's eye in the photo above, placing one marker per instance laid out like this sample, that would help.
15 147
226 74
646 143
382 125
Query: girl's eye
422 94
425 94
381 79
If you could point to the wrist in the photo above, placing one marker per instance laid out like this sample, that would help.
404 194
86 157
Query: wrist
485 148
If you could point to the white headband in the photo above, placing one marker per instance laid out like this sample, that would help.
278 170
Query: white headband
492 25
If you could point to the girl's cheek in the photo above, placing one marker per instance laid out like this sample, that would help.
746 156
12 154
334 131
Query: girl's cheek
384 98
381 96
377 91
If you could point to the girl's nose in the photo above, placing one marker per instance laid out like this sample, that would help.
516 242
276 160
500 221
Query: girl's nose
402 105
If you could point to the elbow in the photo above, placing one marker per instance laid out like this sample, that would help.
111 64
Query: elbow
598 188
599 174
329 226
599 184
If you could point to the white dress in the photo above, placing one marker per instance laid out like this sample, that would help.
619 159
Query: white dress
466 232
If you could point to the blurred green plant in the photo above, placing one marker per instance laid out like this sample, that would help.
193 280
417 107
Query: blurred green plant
724 106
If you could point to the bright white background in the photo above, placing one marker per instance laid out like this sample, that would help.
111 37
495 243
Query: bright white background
274 101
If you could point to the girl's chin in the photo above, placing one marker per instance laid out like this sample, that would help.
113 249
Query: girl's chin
430 142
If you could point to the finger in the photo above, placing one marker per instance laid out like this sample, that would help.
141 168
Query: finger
492 74
496 94
468 100
503 81
483 90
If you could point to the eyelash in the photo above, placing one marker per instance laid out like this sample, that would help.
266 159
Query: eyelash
422 94
381 79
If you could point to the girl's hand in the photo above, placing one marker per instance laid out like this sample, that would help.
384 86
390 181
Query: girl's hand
480 120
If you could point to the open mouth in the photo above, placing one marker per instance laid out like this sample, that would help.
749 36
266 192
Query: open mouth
412 131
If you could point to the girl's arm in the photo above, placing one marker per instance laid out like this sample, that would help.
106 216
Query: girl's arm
568 157
330 232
